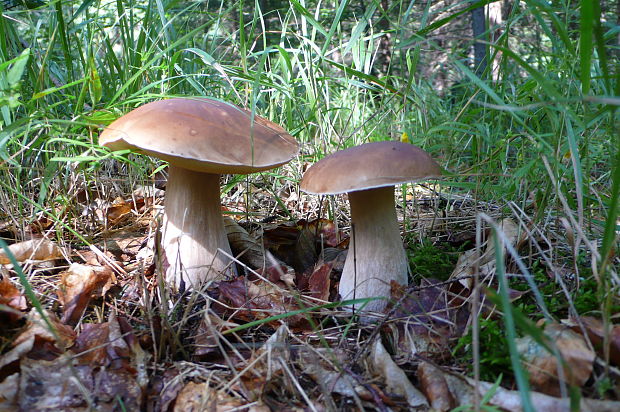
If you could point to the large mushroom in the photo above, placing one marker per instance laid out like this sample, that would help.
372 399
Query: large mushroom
201 139
368 173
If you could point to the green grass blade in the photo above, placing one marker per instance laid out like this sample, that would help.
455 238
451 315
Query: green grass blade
585 43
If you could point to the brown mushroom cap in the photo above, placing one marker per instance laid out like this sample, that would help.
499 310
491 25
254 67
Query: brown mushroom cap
369 166
202 135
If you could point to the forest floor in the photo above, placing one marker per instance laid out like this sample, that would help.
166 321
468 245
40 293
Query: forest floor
95 328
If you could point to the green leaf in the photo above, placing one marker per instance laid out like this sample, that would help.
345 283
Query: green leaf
17 69
310 18
585 43
94 82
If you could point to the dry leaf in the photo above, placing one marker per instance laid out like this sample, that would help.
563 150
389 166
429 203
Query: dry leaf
208 333
163 389
543 366
9 388
283 276
198 397
595 329
249 250
466 264
34 249
36 341
295 245
511 232
324 231
429 318
463 389
319 281
276 349
62 336
108 373
393 376
325 374
10 296
58 385
78 284
435 387
124 245
118 211
254 300
267 365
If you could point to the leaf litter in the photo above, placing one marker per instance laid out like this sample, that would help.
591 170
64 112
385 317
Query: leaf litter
266 340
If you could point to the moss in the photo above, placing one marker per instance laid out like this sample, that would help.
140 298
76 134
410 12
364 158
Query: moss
432 260
494 353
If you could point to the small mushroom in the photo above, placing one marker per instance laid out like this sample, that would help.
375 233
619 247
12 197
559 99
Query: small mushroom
368 173
201 139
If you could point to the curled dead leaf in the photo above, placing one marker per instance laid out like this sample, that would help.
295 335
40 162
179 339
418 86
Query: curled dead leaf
595 330
464 389
435 387
196 397
37 341
45 385
34 249
319 282
544 368
13 299
78 284
429 318
252 300
393 376
209 332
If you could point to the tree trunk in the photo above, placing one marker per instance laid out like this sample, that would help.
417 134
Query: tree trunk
480 49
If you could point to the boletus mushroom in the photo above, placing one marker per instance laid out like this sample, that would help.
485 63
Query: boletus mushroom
368 173
200 139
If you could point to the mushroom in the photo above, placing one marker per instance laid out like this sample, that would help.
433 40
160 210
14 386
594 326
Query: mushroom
201 139
368 173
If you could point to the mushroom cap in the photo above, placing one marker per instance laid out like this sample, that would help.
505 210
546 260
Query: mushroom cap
369 166
204 135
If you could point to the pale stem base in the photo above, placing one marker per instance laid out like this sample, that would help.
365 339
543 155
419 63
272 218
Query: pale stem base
193 229
376 255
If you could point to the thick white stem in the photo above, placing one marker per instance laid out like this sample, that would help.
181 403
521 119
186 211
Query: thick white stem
376 255
193 229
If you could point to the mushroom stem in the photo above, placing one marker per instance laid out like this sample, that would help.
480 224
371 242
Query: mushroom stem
376 254
193 229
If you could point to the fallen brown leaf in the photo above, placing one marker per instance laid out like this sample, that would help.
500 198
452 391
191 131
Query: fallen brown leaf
543 366
464 388
209 332
324 231
34 249
393 377
197 397
78 284
267 369
36 341
295 245
9 388
59 385
595 330
319 281
250 251
428 318
252 300
435 387
11 297
327 375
